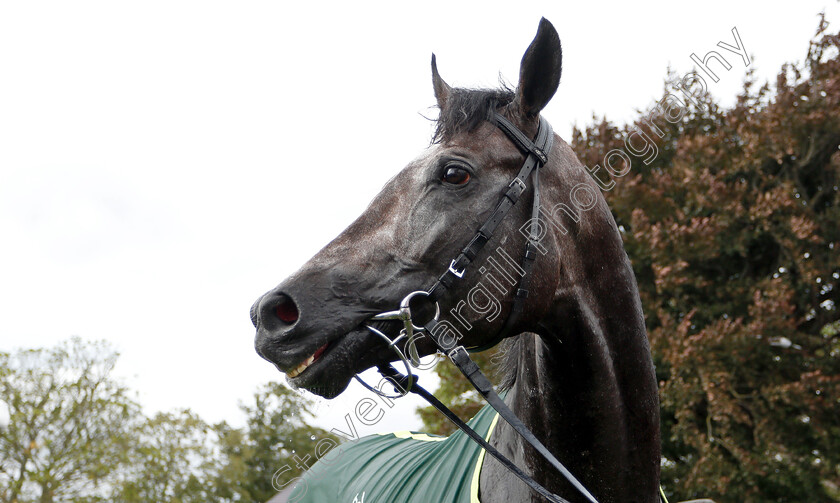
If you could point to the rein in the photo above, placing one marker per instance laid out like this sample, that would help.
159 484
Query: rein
536 156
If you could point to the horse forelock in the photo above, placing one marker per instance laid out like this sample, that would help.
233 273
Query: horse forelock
466 109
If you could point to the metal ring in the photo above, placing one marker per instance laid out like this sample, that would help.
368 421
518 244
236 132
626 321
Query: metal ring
405 309
411 376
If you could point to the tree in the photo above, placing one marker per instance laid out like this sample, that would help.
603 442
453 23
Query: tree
74 435
456 392
276 446
172 459
733 234
67 417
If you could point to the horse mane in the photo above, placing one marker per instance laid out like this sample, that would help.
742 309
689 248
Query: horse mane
467 108
506 363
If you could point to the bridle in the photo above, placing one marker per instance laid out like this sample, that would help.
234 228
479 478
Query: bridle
536 153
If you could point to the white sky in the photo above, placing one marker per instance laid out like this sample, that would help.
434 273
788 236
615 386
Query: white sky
163 163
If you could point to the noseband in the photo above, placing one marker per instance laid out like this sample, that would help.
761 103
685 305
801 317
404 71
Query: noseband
536 153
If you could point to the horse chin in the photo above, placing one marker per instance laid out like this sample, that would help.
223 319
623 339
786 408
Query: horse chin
328 389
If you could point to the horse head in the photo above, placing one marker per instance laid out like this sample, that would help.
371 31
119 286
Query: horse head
582 379
312 326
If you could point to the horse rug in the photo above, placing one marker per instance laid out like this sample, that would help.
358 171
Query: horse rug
400 467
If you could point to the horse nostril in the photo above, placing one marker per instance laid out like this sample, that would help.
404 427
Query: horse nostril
286 309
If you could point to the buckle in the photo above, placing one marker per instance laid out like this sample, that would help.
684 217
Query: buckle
455 351
517 181
541 155
455 271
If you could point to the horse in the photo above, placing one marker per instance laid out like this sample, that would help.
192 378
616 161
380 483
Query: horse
578 368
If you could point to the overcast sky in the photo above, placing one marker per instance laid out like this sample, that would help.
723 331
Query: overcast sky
163 163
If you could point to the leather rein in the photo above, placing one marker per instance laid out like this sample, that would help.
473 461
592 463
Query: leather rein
536 153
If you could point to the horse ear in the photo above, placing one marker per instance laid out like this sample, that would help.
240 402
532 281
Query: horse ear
442 89
539 72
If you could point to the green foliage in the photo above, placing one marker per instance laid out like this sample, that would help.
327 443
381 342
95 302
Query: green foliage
170 459
74 435
276 446
456 393
66 419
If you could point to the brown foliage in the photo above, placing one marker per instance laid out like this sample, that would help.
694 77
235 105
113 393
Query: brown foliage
733 233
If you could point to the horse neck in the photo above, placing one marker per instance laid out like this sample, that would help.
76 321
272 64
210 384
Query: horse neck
585 386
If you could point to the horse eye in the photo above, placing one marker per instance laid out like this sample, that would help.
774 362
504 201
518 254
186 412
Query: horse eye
456 175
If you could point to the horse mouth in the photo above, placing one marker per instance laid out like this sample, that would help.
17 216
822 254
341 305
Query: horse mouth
307 362
328 370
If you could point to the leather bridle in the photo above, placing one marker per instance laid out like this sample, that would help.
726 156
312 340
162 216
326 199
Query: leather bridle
536 153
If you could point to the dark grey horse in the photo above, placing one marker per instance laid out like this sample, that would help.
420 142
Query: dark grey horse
579 366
